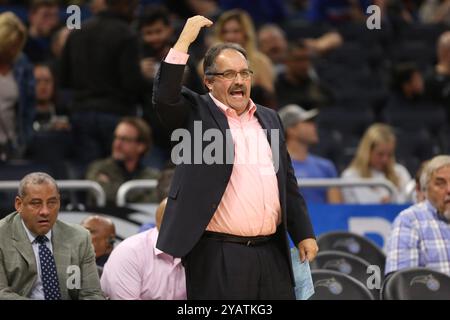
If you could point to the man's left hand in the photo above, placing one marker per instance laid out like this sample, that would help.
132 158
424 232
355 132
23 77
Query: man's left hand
308 249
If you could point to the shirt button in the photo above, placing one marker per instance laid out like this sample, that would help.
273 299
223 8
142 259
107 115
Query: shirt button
214 206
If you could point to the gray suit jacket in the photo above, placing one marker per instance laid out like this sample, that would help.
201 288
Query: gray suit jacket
71 247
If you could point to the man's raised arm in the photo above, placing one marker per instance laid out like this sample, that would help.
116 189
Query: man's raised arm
171 107
190 32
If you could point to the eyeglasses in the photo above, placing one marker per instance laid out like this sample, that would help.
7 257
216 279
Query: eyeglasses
232 74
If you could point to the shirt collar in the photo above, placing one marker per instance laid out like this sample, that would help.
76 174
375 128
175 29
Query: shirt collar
228 111
32 236
434 211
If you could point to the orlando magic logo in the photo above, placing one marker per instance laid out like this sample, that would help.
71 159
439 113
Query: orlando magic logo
428 280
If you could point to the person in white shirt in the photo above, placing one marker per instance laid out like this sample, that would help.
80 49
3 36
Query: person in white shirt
137 270
375 158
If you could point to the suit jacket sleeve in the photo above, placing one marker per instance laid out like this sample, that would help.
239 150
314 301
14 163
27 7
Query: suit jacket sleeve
171 101
90 283
5 292
298 221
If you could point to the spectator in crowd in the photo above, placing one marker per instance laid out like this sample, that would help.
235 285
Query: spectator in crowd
103 236
132 139
96 6
337 11
58 42
438 81
156 32
407 88
325 43
137 270
375 158
299 83
272 11
435 11
273 43
397 14
236 26
16 89
421 233
100 67
301 132
37 249
44 19
209 209
49 116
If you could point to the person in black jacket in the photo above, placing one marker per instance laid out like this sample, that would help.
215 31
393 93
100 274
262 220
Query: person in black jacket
228 219
100 67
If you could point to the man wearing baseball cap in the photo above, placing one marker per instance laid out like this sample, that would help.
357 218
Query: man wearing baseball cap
301 132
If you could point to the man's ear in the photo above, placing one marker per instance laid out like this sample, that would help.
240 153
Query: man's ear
141 148
208 83
18 204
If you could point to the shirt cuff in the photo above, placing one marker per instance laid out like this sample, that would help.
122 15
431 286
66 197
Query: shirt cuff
176 57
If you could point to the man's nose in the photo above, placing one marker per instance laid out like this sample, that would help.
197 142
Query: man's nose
45 210
238 78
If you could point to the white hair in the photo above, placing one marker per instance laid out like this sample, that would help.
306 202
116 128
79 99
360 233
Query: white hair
431 167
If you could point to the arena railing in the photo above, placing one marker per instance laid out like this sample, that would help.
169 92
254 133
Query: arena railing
72 185
304 183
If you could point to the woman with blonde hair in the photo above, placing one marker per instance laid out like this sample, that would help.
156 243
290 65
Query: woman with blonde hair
236 26
16 88
375 158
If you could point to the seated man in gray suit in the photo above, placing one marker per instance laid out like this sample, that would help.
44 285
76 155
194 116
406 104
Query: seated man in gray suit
40 256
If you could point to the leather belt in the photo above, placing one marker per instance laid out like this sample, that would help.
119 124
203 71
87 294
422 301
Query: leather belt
247 241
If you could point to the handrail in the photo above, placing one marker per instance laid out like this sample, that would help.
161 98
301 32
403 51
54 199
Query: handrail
130 185
304 183
355 182
410 189
95 187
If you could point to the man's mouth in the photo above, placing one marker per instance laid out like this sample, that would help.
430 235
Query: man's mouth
237 93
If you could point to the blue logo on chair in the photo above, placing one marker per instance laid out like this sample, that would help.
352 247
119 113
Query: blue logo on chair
350 244
431 282
331 284
340 265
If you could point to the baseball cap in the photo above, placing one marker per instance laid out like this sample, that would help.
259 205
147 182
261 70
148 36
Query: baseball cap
292 114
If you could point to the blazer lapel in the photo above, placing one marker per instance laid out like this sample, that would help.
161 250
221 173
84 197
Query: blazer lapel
61 252
269 124
217 114
266 123
222 122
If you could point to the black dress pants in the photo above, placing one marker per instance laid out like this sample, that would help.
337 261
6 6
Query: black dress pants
222 270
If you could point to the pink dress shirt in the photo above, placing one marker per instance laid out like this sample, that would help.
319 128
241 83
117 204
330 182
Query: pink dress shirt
250 205
137 270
